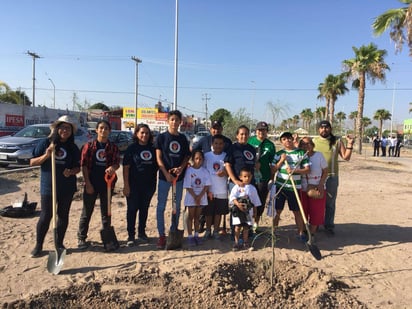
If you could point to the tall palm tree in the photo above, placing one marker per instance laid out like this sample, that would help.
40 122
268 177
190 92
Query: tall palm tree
320 113
381 115
307 116
330 89
295 120
399 21
352 116
368 63
340 116
365 123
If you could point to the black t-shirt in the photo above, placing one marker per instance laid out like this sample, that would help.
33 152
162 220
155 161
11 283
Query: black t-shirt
97 172
175 149
240 155
143 165
67 155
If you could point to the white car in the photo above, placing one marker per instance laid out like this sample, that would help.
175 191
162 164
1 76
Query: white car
18 148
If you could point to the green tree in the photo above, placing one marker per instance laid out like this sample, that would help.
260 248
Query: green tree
220 115
234 121
307 116
13 97
340 117
399 21
368 63
330 89
101 106
295 121
320 113
365 123
381 115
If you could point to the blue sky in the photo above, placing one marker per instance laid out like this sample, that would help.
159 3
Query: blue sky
242 54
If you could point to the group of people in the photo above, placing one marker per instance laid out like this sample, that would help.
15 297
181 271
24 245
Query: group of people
219 177
394 149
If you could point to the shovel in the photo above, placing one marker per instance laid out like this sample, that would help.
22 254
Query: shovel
175 237
56 257
314 250
108 235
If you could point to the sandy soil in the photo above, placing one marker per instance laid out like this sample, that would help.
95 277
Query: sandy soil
365 265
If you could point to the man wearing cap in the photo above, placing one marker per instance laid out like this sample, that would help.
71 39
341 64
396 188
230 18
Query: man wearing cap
265 151
332 147
205 143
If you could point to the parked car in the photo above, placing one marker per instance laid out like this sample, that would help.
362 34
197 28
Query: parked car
199 135
18 148
121 138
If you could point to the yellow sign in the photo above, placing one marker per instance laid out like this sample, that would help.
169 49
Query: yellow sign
146 113
129 112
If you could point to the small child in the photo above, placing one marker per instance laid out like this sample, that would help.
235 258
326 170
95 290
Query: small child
196 183
244 199
218 199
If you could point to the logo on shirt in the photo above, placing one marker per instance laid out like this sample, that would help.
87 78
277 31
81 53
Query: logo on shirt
146 155
101 155
174 147
61 154
198 181
216 166
248 155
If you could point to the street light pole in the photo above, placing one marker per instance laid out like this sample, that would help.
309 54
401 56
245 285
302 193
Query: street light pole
393 103
34 56
137 60
54 93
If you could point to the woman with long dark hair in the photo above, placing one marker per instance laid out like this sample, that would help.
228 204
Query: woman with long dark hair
61 141
139 177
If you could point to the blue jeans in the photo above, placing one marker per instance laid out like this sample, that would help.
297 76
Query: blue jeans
163 188
332 184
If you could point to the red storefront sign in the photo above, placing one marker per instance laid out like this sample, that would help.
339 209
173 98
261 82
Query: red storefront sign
14 121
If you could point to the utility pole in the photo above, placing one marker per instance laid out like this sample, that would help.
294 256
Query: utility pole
54 93
137 60
206 98
176 54
34 56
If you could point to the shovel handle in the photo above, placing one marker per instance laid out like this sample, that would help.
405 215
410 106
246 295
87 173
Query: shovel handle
109 179
174 181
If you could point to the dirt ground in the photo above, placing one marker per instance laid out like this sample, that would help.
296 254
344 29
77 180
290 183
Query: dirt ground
365 265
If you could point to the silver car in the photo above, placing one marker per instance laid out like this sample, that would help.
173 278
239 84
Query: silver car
18 148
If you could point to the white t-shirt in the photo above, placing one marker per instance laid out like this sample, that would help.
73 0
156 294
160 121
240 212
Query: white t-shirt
317 164
196 179
214 163
248 191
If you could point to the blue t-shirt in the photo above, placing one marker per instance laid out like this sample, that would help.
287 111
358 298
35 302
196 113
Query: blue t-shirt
67 156
240 155
175 149
143 165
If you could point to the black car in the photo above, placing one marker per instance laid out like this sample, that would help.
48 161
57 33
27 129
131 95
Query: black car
122 139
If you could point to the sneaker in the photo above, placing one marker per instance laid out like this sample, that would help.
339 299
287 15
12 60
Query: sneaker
37 251
207 235
223 231
130 242
82 244
143 238
191 242
236 247
198 240
161 243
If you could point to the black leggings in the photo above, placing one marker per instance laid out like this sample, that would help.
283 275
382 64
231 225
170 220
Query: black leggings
63 208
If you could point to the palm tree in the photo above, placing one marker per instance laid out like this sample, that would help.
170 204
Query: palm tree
381 115
353 116
368 63
399 21
330 89
307 116
295 120
365 123
276 111
340 116
320 113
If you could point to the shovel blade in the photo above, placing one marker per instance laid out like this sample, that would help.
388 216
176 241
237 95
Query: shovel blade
174 240
314 250
55 261
109 239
